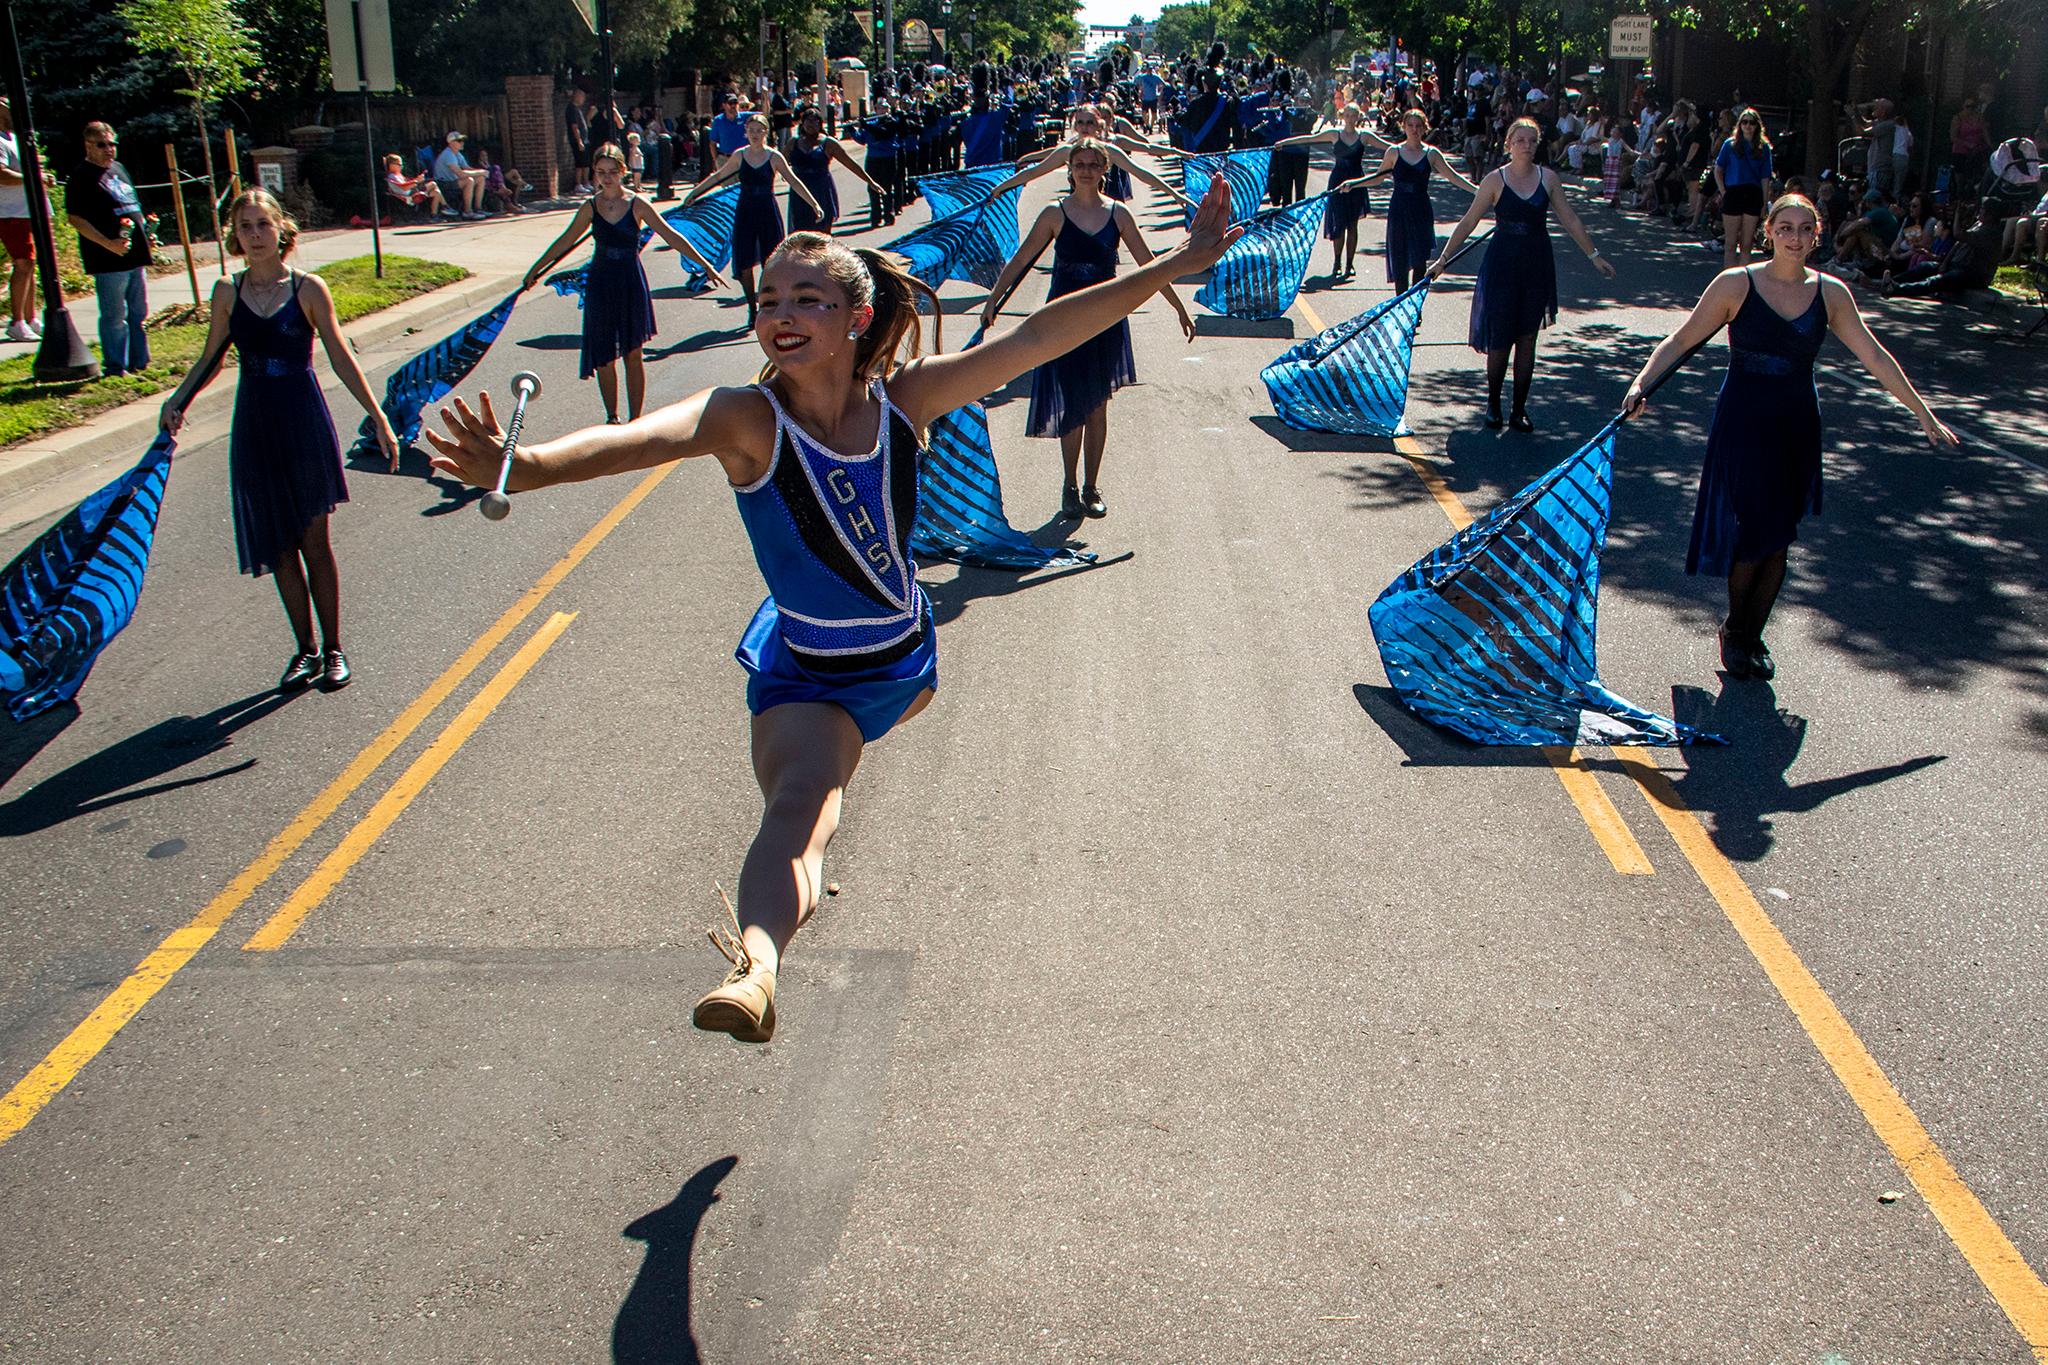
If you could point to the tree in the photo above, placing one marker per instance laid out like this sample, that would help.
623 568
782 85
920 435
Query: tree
209 41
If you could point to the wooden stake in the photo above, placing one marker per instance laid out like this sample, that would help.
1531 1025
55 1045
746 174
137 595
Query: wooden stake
178 203
234 162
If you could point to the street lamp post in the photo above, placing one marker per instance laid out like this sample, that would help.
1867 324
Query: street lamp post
63 354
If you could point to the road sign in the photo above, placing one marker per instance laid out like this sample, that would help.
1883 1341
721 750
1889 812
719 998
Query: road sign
376 72
1629 37
917 36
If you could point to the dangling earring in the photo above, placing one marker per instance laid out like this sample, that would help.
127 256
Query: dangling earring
853 336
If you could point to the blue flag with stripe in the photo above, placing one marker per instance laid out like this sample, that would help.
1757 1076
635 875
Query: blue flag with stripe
70 592
952 191
1246 171
971 244
431 376
706 225
960 502
1261 272
1352 377
1492 635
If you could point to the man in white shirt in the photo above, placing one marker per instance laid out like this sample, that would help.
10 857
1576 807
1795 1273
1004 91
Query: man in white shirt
460 185
15 235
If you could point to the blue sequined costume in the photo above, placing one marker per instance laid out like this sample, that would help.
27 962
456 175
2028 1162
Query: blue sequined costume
845 621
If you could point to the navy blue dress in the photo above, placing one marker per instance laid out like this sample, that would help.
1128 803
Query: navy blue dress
618 310
814 169
756 223
1117 184
1516 295
1411 220
284 465
1342 210
1762 471
1066 390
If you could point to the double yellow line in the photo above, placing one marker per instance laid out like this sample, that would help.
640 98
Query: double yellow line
47 1079
1998 1264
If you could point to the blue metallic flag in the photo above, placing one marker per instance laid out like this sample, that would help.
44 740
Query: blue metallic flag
1352 377
960 502
1492 635
431 376
69 593
956 190
1246 171
971 244
1261 272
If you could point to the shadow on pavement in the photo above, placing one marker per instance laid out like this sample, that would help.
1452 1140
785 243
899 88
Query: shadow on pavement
949 598
1741 786
111 776
1423 745
653 1325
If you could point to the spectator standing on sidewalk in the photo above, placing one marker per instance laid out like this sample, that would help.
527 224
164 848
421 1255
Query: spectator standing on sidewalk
99 200
728 129
576 121
1881 130
16 237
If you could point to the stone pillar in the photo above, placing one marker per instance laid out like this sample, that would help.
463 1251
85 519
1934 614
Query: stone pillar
533 132
285 177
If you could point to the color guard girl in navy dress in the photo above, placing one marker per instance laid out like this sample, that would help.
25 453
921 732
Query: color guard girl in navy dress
811 157
1070 394
618 309
1516 293
1411 218
757 223
284 464
1348 201
822 456
1762 473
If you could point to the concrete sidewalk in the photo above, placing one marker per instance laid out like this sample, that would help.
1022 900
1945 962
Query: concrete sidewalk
48 472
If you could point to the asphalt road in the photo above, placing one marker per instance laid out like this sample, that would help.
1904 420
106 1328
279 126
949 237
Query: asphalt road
1186 1000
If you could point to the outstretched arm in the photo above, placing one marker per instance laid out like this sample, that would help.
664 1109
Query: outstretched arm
1715 310
1845 320
1041 235
1443 168
1482 202
1138 172
318 306
1052 160
834 150
579 224
734 426
1127 230
927 388
797 187
1306 139
1568 219
726 170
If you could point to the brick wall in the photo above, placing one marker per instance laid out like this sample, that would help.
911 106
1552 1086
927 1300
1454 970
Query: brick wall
534 138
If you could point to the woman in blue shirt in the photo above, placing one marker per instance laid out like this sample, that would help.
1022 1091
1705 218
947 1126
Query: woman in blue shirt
1743 173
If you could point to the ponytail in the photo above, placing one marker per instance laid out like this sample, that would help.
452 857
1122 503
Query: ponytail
869 279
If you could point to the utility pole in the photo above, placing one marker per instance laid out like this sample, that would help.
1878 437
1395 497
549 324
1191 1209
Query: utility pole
889 38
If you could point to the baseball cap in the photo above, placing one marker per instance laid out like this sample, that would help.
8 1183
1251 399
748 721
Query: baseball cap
454 136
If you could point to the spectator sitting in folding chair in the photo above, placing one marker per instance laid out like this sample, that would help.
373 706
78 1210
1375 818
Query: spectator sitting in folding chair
415 194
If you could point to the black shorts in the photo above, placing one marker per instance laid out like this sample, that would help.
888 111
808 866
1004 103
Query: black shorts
1743 201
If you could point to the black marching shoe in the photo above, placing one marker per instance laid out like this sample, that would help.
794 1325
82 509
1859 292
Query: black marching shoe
1493 420
300 672
1092 503
336 674
1519 420
1070 503
1761 665
1736 661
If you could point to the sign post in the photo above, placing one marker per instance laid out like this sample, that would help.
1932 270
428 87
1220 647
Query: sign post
359 42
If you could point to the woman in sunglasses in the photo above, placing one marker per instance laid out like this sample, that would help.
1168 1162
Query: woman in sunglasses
1743 172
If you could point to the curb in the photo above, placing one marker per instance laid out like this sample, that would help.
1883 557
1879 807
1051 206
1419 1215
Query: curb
122 433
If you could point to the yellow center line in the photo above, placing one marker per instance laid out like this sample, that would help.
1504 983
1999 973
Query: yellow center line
48 1077
1991 1254
410 784
1609 830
